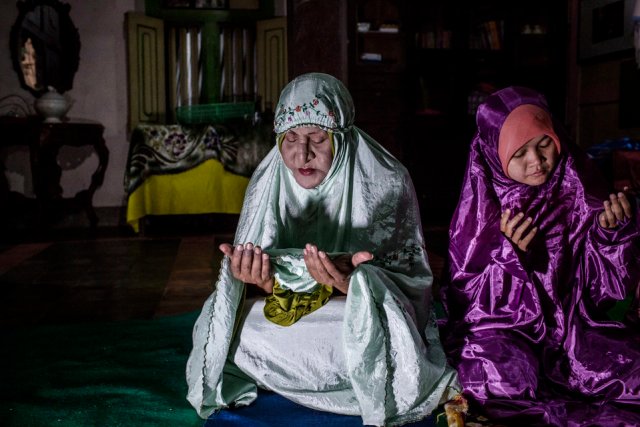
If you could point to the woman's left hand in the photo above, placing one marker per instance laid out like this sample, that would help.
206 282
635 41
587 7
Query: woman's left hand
616 209
333 272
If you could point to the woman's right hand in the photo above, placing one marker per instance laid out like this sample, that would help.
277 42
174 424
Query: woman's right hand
250 264
517 229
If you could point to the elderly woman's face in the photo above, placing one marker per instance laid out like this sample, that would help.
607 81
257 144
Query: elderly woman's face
307 152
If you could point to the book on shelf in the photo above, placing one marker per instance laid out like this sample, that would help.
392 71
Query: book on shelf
434 39
496 36
370 56
389 28
488 35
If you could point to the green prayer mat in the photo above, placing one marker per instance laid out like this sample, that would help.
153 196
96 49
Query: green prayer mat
121 373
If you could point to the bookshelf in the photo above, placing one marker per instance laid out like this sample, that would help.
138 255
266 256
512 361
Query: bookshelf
417 71
480 46
459 53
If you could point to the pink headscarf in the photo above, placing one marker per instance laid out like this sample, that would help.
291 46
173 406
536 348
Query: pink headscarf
522 124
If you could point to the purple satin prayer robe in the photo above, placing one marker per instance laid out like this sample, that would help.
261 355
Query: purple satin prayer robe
528 332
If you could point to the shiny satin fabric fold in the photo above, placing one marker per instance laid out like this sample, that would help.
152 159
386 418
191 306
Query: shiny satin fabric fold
393 369
285 307
528 332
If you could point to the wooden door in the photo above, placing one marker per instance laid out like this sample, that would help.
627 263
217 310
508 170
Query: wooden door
146 75
271 46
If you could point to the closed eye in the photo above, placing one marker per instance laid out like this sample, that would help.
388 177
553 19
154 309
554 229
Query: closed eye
519 153
545 142
291 137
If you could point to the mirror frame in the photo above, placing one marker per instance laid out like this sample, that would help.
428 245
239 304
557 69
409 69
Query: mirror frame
69 43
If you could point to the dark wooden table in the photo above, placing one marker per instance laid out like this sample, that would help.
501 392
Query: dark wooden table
44 141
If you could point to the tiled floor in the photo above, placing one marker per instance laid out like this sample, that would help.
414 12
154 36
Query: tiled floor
73 275
104 279
117 276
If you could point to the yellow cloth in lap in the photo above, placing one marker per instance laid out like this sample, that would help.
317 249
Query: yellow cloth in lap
207 188
285 307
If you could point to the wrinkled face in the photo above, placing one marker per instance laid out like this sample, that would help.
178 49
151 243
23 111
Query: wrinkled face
533 163
306 151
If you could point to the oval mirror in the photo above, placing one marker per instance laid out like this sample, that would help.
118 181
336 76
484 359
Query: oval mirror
45 46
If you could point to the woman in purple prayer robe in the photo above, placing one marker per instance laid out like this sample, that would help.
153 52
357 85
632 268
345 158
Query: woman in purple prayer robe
536 261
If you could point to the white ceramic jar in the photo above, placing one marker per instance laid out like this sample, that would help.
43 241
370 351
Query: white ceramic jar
52 106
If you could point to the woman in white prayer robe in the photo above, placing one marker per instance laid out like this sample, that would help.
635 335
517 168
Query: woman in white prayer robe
330 231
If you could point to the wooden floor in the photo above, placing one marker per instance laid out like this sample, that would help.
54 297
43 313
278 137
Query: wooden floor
75 276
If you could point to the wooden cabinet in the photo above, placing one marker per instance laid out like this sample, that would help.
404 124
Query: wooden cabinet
324 37
378 70
379 36
317 37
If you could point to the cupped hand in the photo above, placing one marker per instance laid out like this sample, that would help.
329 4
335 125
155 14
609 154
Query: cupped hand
616 209
517 229
335 271
250 264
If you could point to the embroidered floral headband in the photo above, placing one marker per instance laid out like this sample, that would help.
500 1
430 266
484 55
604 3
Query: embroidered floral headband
307 113
314 99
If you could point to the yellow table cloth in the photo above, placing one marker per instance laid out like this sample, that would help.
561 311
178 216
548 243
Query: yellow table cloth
206 188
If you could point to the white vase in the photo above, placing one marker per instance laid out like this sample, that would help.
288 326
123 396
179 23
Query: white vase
52 106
